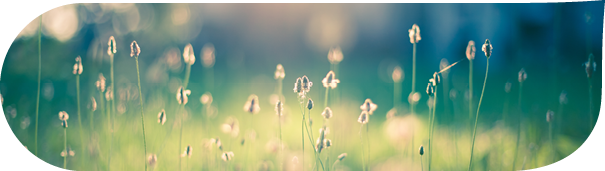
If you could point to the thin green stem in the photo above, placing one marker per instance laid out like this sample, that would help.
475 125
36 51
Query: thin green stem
81 129
142 115
302 128
432 124
470 90
187 74
590 114
113 110
470 164
65 148
181 136
39 76
518 130
368 139
421 166
552 145
363 163
334 164
413 75
309 135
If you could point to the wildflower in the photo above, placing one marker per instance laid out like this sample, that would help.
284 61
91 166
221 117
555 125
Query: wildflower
162 117
109 93
414 97
342 156
319 144
327 113
93 104
436 79
231 126
368 106
111 49
78 66
335 55
330 81
363 118
487 48
135 50
310 104
279 72
421 150
252 105
64 124
219 145
101 83
206 98
25 122
507 86
298 86
187 151
182 95
430 89
327 143
306 84
208 55
414 34
188 54
563 97
522 75
279 108
591 66
550 116
470 50
63 116
227 156
68 151
397 74
152 160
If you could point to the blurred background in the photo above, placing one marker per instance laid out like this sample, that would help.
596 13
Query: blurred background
551 41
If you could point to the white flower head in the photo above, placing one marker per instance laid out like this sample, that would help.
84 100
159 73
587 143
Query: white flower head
63 116
162 117
414 34
78 66
101 83
252 105
279 108
206 98
330 80
368 106
135 50
335 55
182 95
522 75
470 50
487 48
327 113
188 151
111 49
227 156
208 57
279 72
363 118
397 74
188 54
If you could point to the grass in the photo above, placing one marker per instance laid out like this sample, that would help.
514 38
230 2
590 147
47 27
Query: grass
39 76
136 57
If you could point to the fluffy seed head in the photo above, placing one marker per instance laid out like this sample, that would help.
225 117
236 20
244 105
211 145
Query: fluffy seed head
279 72
563 97
306 84
487 48
227 156
279 108
368 106
430 89
111 49
414 34
109 93
327 143
101 83
522 75
470 50
93 104
187 151
436 79
335 55
507 86
64 123
298 85
310 104
252 105
550 116
63 116
397 74
219 145
342 156
330 80
421 150
162 117
327 113
188 55
206 98
231 126
78 66
208 55
591 66
182 95
135 50
363 118
152 159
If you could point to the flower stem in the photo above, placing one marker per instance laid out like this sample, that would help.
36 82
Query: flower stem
65 148
113 110
590 114
432 129
368 139
362 149
79 116
181 135
518 130
413 75
142 115
470 164
552 147
39 75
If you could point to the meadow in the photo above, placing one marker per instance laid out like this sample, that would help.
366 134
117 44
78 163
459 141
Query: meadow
188 87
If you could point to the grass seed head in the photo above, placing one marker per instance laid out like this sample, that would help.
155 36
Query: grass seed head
109 93
436 79
208 57
363 117
550 116
252 105
430 89
182 95
206 98
111 49
522 75
64 124
470 50
368 106
188 151
227 156
591 66
78 66
188 54
310 104
101 83
135 50
330 80
152 160
162 117
93 104
306 84
327 143
279 108
487 48
63 116
342 156
279 72
508 86
327 113
335 55
413 98
421 150
414 34
397 74
563 97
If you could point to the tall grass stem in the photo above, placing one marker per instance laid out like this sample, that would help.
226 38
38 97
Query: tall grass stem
142 115
81 129
39 76
470 163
